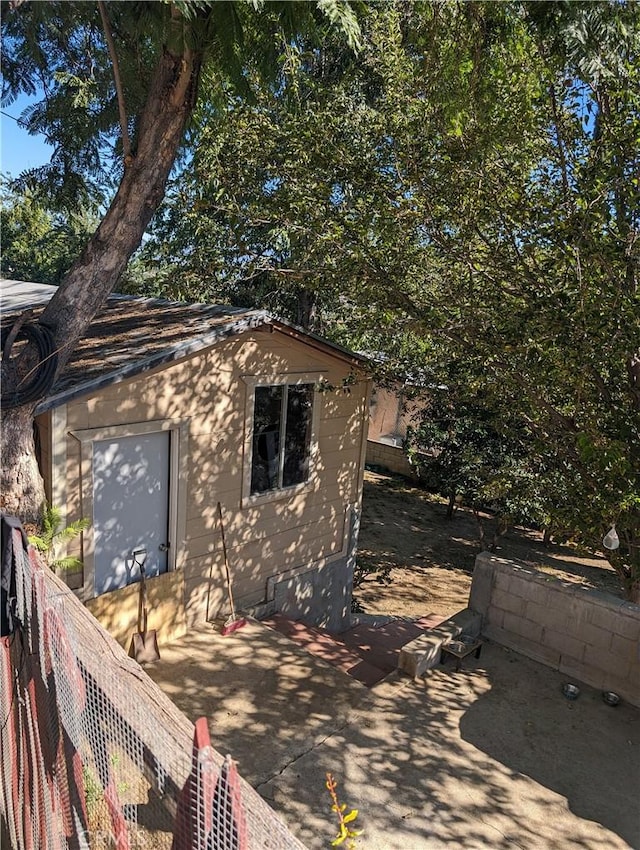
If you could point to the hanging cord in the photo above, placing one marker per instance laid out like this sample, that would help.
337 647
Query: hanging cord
38 380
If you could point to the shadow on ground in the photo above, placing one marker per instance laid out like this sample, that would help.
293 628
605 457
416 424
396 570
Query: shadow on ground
492 756
585 751
469 760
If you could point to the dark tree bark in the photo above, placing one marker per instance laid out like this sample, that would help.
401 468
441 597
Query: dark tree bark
451 506
22 486
98 269
171 98
306 309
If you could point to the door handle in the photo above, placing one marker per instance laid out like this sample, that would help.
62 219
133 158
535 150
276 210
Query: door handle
164 547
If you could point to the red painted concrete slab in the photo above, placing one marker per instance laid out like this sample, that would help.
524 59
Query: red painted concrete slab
366 653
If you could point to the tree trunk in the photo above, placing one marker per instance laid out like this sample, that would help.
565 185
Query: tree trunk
170 101
451 506
501 529
96 272
22 486
478 519
306 309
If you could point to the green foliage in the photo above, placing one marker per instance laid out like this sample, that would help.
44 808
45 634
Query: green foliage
265 213
57 51
94 796
39 244
93 793
55 534
466 193
365 569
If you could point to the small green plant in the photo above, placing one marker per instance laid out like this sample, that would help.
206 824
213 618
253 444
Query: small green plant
54 533
92 790
346 832
97 809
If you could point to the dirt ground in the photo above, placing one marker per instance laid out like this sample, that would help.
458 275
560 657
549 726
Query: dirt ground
404 529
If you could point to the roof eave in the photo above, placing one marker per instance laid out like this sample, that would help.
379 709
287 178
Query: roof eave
318 342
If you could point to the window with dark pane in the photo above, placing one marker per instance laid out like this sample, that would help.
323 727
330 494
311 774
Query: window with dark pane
297 435
267 420
281 436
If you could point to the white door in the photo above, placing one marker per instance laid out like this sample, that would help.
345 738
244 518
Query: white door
130 508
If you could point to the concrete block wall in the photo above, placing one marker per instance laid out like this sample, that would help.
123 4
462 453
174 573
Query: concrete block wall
589 635
318 597
392 458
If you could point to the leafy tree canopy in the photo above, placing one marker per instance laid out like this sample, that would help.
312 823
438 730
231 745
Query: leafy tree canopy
90 67
39 244
466 191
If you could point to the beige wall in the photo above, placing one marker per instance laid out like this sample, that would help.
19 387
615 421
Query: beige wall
207 395
391 413
43 425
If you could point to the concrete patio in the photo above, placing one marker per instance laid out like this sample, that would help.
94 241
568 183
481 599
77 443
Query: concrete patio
492 756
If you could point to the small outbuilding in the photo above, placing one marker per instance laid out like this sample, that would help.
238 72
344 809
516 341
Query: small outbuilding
167 409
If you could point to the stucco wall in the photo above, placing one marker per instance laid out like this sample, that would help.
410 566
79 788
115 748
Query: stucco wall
391 412
207 394
591 636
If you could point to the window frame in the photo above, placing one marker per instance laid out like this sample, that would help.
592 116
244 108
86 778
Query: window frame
289 379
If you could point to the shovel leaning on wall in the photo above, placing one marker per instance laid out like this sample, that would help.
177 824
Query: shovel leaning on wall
144 645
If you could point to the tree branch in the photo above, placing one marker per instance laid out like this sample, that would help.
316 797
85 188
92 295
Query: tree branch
126 143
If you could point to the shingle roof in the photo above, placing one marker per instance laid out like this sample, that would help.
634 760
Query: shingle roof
131 335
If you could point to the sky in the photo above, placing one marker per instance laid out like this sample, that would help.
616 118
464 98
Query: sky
19 150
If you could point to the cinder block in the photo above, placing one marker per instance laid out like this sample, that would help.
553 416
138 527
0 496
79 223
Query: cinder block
624 648
527 629
596 637
502 579
466 622
603 614
608 662
537 593
582 671
603 680
536 651
420 654
481 587
424 652
628 624
486 558
509 602
546 617
560 596
564 643
534 611
494 617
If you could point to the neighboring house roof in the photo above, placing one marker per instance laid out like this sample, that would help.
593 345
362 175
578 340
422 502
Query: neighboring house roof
132 335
